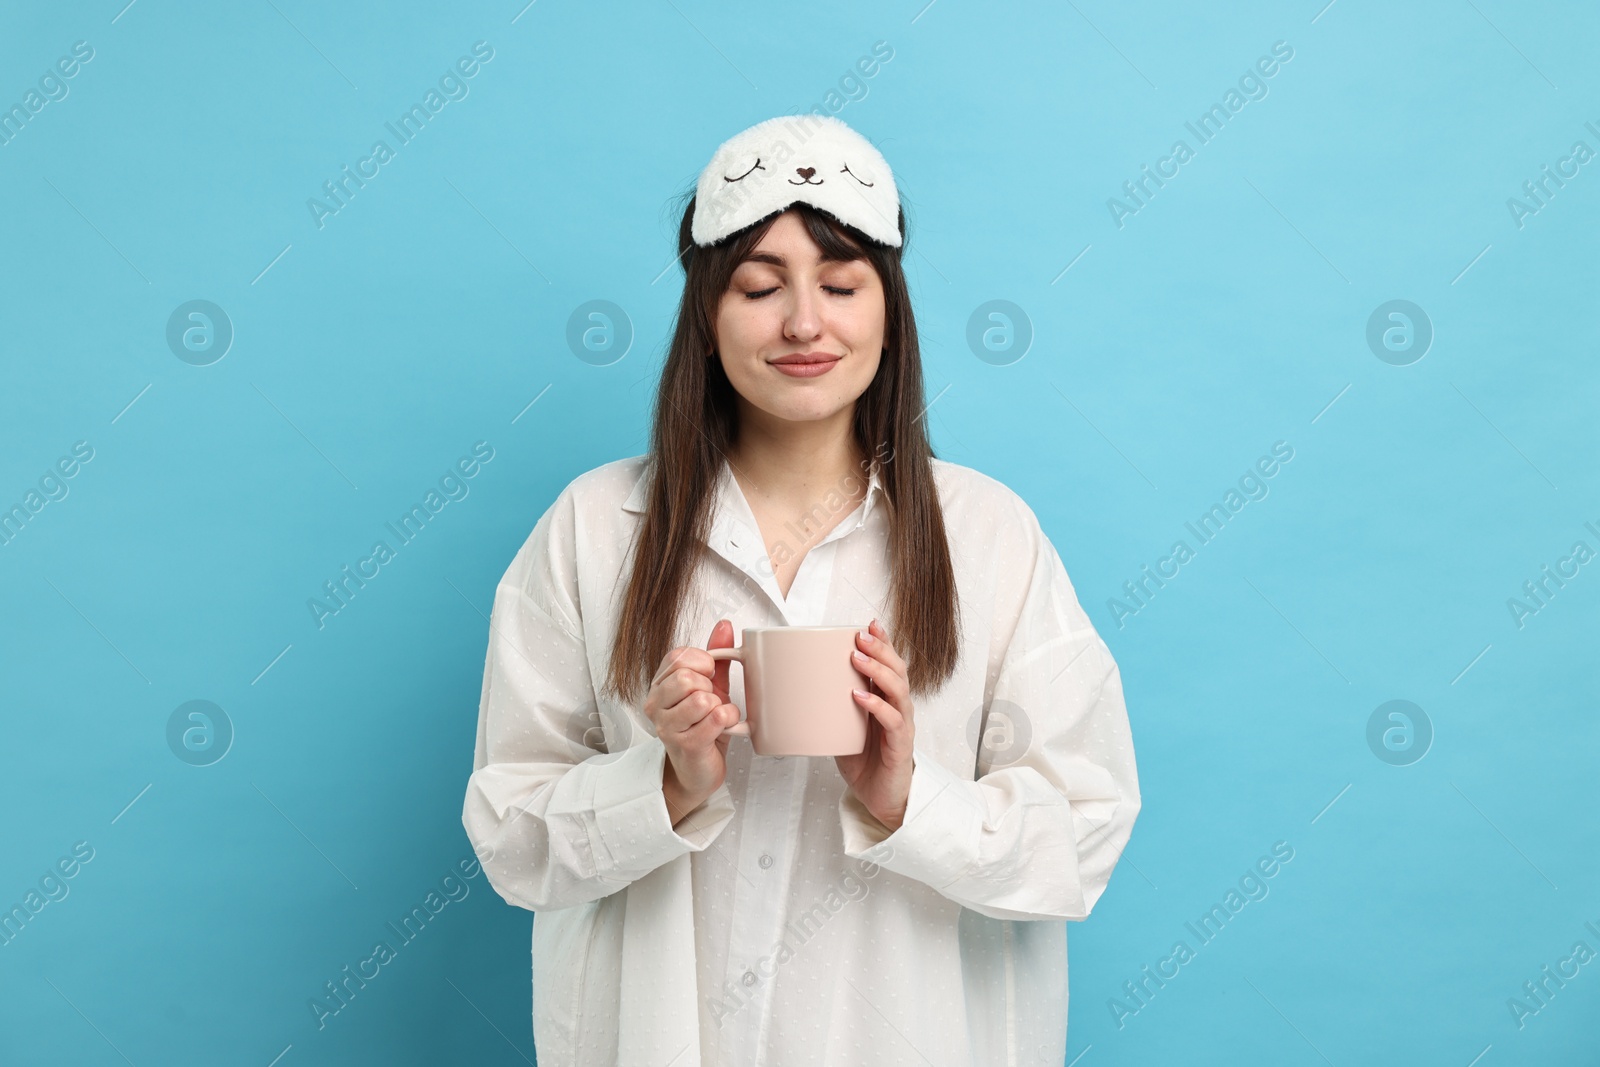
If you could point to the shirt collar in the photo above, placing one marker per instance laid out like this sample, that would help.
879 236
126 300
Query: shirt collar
734 535
729 497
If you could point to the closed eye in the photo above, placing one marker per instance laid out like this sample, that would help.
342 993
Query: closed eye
747 173
848 171
836 290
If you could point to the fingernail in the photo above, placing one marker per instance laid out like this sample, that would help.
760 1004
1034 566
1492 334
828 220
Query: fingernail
860 693
859 655
865 636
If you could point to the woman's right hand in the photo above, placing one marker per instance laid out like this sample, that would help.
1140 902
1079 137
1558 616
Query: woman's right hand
689 707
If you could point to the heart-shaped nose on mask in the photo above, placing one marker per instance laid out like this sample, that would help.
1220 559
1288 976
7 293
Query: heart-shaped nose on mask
846 176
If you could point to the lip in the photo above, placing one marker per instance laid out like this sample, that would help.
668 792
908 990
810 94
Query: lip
806 364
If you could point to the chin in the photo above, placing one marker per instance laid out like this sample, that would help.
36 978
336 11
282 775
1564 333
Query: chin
792 412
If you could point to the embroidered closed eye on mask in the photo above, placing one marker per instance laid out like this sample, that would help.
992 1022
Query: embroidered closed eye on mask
815 158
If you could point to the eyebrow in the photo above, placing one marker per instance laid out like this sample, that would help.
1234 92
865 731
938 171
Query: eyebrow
778 261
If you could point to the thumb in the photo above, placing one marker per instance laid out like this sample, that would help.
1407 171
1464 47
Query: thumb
721 634
721 637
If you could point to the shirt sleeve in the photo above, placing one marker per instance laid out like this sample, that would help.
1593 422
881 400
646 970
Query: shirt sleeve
1038 832
555 819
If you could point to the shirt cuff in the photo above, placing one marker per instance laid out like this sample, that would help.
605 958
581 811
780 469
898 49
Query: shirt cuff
633 832
936 843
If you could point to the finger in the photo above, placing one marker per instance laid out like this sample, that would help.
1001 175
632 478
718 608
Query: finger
886 713
876 643
684 671
678 686
881 645
888 681
688 713
687 658
710 729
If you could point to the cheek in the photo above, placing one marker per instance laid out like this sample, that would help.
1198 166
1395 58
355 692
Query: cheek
741 329
866 369
868 339
863 330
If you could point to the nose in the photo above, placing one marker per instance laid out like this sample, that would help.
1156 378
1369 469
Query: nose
802 323
805 172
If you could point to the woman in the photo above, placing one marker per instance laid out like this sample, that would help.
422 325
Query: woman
699 904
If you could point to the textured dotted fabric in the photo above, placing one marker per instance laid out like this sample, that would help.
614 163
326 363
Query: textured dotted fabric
780 923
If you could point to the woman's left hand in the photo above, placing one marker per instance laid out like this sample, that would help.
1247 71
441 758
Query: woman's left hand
880 775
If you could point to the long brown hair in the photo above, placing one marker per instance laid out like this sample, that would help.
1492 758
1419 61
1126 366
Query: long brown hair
696 422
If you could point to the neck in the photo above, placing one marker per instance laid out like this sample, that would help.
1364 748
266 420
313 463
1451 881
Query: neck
794 461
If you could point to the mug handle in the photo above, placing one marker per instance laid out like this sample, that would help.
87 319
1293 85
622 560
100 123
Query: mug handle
742 727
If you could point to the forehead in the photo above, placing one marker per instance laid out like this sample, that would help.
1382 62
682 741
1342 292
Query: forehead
787 243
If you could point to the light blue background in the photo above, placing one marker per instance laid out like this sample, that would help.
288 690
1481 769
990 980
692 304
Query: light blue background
370 354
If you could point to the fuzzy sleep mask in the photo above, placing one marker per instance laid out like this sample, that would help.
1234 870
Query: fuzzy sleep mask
815 158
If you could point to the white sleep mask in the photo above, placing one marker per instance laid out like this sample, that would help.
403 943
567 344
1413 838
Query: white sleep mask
814 158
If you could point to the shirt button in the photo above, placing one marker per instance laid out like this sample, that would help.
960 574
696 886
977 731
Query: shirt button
766 860
749 978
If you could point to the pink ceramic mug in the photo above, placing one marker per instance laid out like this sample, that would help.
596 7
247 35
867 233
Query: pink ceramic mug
797 683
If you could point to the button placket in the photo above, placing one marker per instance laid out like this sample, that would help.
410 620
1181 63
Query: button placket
770 811
774 797
781 877
741 543
743 547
